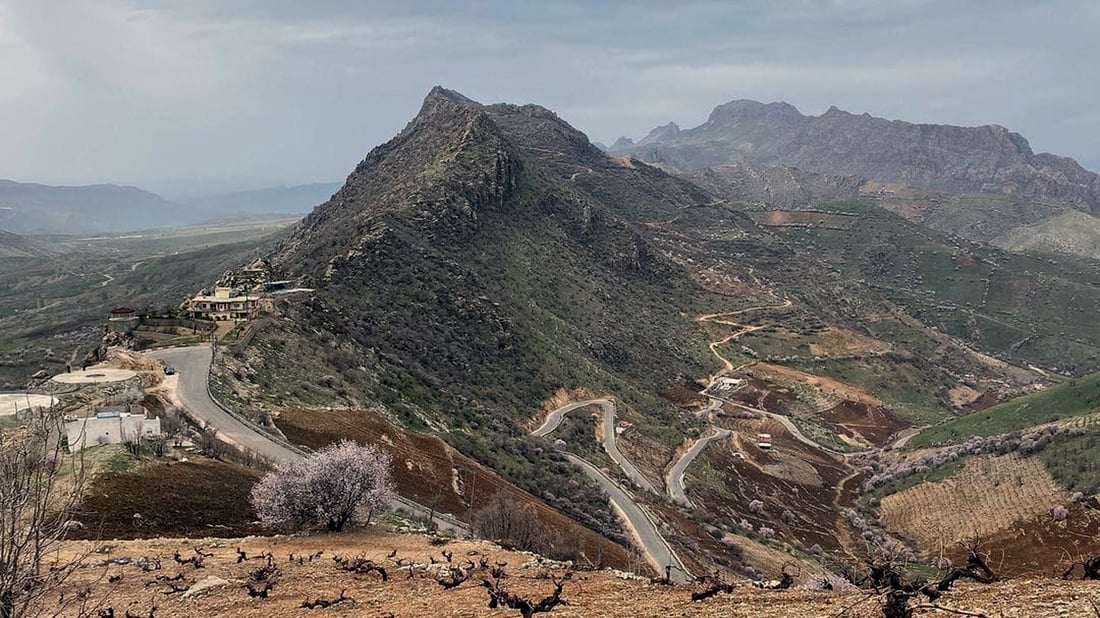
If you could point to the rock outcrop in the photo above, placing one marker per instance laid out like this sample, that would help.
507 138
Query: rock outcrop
984 159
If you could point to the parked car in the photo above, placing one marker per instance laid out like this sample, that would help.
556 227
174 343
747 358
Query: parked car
169 370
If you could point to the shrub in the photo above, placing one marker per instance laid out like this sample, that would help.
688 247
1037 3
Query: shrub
327 489
757 507
1059 513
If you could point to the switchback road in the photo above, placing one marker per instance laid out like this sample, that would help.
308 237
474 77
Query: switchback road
674 480
642 527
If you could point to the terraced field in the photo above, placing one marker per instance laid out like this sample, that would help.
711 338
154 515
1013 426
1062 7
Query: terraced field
988 495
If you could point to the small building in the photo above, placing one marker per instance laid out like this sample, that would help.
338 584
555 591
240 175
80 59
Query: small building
764 441
123 320
224 305
110 426
726 384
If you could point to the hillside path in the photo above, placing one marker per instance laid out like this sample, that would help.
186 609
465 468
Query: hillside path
641 525
193 368
674 480
607 428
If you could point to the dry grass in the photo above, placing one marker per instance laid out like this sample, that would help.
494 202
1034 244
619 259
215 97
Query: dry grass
788 376
835 341
588 593
988 495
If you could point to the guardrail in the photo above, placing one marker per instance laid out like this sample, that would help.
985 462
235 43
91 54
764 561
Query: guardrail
412 505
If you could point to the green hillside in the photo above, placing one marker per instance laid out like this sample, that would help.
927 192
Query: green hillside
1073 398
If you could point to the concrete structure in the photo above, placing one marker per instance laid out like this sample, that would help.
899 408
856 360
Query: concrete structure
224 305
11 404
122 320
726 384
764 441
110 426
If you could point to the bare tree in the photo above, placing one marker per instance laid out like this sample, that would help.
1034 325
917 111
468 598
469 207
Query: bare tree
327 489
512 524
40 485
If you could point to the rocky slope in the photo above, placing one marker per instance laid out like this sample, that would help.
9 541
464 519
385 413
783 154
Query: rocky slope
220 587
778 186
985 159
489 260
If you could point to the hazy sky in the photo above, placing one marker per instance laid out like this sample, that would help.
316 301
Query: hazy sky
293 91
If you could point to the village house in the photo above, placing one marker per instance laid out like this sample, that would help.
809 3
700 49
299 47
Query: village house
225 304
113 425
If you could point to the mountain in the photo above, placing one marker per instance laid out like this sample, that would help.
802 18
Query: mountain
490 228
778 186
489 264
984 159
30 208
12 245
295 200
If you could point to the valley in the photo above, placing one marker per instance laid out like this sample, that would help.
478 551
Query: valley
664 373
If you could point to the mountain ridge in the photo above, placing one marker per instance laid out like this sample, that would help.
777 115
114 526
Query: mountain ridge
981 159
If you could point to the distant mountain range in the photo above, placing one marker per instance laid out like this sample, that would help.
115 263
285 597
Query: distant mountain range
32 208
984 159
296 200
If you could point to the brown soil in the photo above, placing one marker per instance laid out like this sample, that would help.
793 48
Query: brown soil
1040 546
783 374
801 217
588 593
840 342
428 470
201 497
985 400
874 424
790 476
684 395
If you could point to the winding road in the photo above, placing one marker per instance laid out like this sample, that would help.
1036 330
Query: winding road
193 370
607 425
641 525
674 479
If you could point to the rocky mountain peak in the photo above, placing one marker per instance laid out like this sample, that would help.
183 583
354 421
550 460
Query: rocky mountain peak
740 110
621 144
665 131
977 159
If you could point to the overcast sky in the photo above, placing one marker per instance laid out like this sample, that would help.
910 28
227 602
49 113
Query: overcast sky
288 91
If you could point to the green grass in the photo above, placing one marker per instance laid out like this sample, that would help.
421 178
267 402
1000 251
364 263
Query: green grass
1026 308
1074 461
907 387
1073 398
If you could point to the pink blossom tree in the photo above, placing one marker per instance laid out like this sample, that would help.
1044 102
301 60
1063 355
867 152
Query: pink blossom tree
328 489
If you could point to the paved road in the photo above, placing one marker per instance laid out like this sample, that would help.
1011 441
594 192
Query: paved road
607 427
674 480
555 417
193 367
641 526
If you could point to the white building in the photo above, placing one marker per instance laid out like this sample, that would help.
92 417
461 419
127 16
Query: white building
109 427
225 304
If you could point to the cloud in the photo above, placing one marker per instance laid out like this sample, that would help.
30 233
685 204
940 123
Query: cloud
138 89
